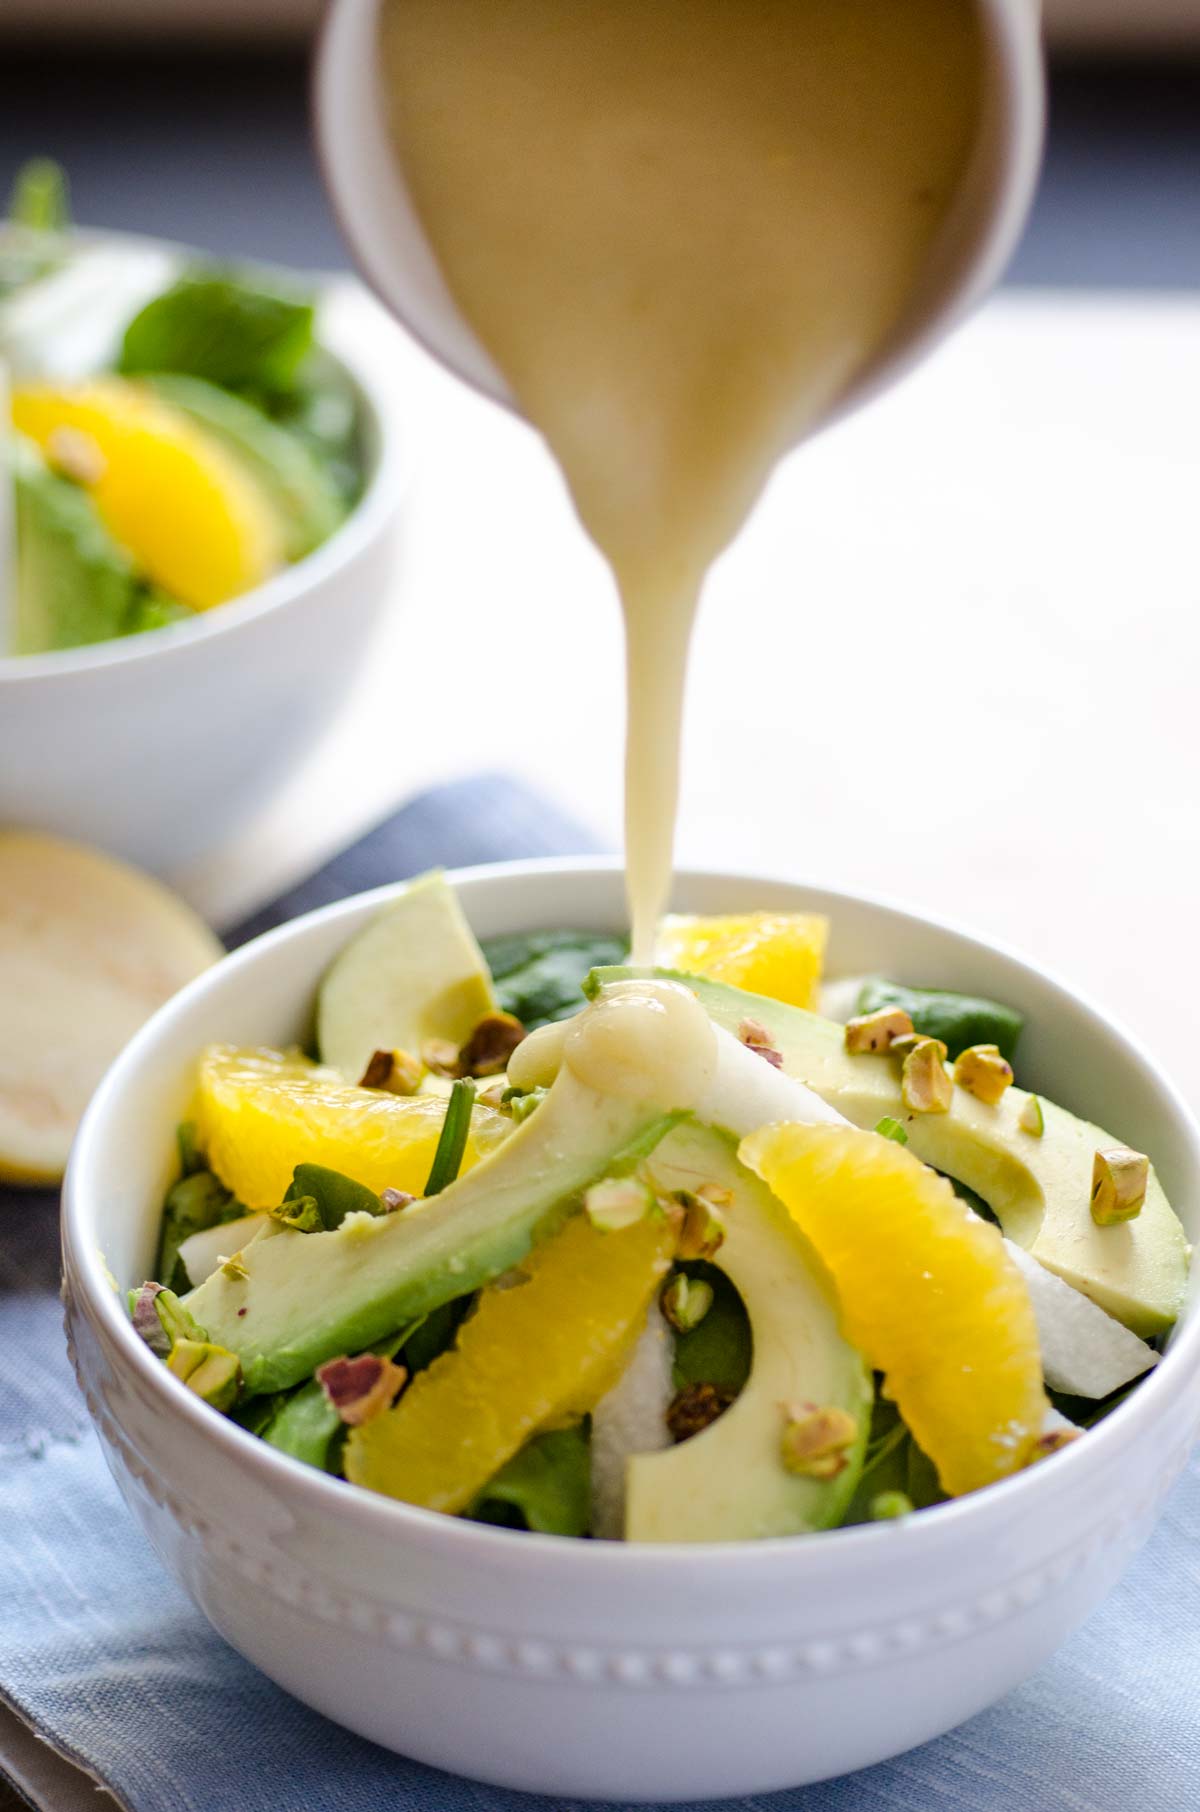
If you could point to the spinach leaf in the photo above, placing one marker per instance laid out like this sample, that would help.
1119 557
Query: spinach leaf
193 1204
545 1487
720 1350
958 1020
239 331
336 1195
539 976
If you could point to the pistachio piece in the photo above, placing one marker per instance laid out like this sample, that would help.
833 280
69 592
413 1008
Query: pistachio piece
392 1200
888 1128
75 454
490 1045
520 1102
396 1071
492 1097
143 1313
1119 1179
877 1031
696 1408
440 1056
909 1041
234 1268
1053 1441
886 1506
701 1229
302 1213
1031 1119
983 1072
925 1082
815 1440
617 1202
361 1387
211 1371
685 1301
755 1036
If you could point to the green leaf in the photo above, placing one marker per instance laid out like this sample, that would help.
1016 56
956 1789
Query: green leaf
718 1351
306 1427
193 1204
335 1195
539 976
238 331
447 1159
40 200
546 1487
958 1020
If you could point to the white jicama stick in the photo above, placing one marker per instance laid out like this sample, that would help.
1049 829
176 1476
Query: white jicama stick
1085 1352
631 1419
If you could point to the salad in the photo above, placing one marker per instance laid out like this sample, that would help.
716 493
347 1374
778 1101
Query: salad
178 433
714 1252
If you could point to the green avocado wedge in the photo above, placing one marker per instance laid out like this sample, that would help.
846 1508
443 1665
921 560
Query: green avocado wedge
1039 1189
307 1297
729 1483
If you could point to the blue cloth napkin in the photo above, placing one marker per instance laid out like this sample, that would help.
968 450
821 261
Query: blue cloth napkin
101 1653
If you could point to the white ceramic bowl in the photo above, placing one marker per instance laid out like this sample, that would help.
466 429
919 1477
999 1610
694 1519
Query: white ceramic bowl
589 1668
159 746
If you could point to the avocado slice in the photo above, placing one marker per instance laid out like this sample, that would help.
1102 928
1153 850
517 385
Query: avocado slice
74 583
415 973
729 1483
308 503
1039 1189
307 1297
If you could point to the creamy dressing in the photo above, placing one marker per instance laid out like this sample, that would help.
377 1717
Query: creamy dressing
680 228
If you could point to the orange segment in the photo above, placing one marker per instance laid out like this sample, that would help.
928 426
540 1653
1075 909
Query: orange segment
779 954
531 1354
928 1294
195 520
259 1113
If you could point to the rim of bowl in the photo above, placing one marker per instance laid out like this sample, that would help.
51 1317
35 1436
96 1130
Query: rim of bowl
387 1515
388 467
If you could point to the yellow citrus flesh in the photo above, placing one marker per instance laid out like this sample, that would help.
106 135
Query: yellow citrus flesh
259 1113
194 519
532 1354
779 954
928 1294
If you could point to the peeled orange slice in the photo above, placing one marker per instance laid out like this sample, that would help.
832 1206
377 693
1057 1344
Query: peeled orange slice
928 1294
535 1351
779 954
193 517
259 1113
88 949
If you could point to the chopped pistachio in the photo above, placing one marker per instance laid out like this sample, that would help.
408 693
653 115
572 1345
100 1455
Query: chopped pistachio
1053 1441
910 1041
887 1128
755 1036
160 1318
925 1082
491 1044
234 1268
1119 1179
885 1506
814 1441
1031 1119
877 1031
696 1408
685 1301
211 1371
521 1102
361 1387
492 1097
716 1195
983 1072
701 1229
440 1056
398 1072
617 1202
392 1200
301 1213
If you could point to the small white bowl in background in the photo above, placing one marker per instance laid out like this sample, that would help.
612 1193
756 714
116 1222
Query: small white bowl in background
160 746
591 1668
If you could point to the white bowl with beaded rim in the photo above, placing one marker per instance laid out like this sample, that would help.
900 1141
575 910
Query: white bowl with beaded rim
580 1668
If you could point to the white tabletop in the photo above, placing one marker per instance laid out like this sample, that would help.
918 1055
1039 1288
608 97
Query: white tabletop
953 657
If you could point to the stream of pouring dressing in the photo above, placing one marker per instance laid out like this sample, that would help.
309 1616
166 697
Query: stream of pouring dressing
680 228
